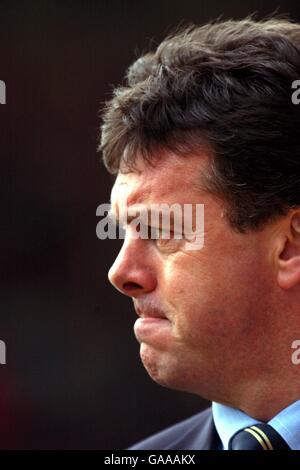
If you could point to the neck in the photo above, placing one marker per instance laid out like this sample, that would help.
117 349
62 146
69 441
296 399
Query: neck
266 400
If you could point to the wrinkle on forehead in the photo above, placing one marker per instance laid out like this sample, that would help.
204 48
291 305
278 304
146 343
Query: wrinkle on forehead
172 180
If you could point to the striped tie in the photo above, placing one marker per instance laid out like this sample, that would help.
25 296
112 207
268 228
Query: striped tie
258 437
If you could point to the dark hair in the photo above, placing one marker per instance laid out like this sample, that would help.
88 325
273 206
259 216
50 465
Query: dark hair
227 84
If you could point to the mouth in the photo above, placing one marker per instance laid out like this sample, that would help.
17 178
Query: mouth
150 313
152 327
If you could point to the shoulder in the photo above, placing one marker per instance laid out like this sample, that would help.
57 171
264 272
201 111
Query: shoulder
191 433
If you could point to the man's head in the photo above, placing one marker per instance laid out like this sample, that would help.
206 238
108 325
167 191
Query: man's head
208 118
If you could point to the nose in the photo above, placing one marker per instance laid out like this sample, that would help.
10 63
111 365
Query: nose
132 273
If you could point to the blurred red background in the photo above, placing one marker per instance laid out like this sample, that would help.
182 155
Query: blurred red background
73 377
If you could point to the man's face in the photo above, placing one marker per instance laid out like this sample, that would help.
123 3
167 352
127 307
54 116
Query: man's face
213 300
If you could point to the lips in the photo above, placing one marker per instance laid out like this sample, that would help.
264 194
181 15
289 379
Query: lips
152 327
149 313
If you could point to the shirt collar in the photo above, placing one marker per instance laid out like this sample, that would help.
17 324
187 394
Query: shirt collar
229 420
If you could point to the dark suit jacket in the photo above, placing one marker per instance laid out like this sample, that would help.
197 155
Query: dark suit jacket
195 433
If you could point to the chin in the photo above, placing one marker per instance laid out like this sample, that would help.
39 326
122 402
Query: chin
163 369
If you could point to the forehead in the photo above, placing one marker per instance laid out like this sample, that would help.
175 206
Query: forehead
173 179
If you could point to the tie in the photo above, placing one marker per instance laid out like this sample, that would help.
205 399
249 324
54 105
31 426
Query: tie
258 437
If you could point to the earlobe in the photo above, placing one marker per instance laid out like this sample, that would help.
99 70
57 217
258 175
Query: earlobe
289 273
289 259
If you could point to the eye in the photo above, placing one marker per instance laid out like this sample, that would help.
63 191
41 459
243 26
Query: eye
164 239
159 234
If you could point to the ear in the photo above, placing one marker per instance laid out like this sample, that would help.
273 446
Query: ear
288 275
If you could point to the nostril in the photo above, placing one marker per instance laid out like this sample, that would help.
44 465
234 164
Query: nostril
131 285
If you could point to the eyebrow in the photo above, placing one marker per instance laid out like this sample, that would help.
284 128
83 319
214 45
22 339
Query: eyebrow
115 218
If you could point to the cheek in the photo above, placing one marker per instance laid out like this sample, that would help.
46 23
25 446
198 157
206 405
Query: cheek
192 299
208 301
